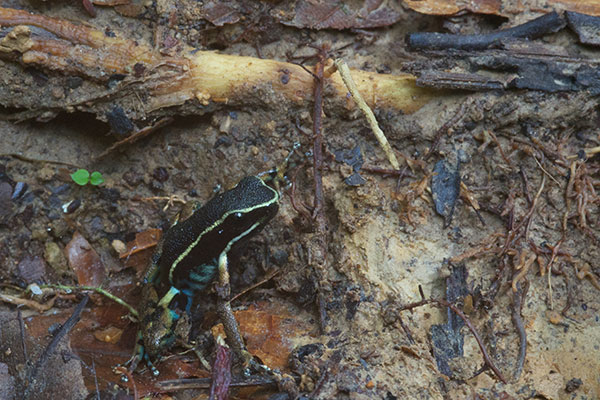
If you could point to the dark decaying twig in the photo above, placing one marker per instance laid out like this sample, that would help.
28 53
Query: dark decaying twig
447 125
517 305
95 380
221 372
406 330
205 383
318 210
525 185
22 331
318 145
61 333
569 301
459 81
535 28
440 303
298 206
514 234
400 173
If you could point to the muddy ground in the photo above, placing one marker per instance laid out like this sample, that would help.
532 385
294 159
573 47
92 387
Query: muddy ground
330 307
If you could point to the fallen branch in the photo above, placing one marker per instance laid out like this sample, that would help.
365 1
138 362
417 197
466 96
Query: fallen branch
203 78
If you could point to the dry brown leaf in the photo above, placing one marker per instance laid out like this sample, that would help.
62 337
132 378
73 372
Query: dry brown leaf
271 331
110 334
84 260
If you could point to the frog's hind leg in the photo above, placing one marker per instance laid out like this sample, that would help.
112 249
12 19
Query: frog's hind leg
139 354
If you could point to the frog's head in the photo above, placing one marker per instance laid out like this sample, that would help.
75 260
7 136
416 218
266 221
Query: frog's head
246 209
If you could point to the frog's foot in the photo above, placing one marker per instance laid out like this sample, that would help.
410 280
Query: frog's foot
151 366
251 365
138 355
134 361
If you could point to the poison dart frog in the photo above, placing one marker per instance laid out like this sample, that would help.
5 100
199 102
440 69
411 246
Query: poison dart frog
191 255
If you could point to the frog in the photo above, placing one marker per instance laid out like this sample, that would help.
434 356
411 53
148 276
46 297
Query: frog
193 254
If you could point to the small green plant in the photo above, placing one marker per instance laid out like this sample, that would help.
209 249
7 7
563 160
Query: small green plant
83 177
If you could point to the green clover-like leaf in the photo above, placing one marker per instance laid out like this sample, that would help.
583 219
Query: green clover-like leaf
81 177
96 178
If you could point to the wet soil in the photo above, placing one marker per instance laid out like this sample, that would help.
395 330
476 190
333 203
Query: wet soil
384 240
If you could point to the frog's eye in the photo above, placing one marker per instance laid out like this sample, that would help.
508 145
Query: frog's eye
238 215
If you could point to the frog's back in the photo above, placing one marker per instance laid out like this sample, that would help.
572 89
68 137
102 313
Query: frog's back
203 236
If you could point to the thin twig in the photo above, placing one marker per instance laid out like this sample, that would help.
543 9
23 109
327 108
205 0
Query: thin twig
204 383
546 172
551 22
318 147
549 269
98 290
495 139
135 136
38 160
349 82
171 200
525 184
529 217
406 330
22 331
514 233
518 297
569 301
467 321
386 171
522 269
318 211
446 127
95 380
257 284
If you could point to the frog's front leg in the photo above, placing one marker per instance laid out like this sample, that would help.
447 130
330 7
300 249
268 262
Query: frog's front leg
157 327
232 330
148 305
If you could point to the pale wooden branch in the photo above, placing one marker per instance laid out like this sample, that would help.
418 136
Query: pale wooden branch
203 78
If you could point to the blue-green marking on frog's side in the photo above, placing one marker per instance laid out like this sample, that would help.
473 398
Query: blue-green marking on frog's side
192 254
